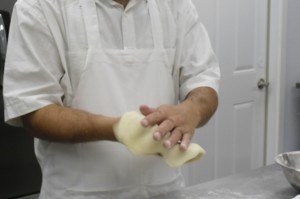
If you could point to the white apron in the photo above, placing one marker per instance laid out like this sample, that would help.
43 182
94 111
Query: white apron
111 83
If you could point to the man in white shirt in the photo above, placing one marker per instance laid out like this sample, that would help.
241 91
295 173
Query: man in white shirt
75 66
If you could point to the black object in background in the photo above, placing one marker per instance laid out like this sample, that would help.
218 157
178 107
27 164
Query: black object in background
19 171
6 20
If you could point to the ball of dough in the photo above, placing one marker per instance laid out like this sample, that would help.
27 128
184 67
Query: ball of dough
139 140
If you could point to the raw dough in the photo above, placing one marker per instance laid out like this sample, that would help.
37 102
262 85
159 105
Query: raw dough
139 141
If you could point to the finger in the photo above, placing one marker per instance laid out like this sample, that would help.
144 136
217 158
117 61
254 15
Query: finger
165 127
146 110
153 118
174 138
185 141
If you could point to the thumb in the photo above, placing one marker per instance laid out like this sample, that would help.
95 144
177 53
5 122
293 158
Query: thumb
146 110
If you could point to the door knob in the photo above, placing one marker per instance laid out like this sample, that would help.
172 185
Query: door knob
262 83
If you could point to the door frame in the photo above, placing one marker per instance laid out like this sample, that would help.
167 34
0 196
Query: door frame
276 76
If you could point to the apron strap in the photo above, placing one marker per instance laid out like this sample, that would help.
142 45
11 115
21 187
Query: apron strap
157 28
91 22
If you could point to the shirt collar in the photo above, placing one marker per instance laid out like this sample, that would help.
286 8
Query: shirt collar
116 3
131 3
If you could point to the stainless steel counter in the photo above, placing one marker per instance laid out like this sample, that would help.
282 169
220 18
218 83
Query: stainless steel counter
263 183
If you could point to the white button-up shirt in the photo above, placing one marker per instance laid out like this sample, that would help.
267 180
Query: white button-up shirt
43 33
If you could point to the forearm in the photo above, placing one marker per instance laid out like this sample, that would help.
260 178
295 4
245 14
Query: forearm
60 124
204 101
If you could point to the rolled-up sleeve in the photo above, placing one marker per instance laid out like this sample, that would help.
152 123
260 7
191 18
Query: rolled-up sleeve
33 68
199 65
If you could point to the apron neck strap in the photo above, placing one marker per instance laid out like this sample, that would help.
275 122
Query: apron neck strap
90 17
157 28
91 22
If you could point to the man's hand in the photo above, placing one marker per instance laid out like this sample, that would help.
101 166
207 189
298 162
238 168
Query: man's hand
179 120
182 119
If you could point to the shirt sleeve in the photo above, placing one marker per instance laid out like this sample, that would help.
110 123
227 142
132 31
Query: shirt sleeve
33 69
199 65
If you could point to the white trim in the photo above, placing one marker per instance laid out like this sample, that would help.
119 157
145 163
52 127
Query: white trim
277 62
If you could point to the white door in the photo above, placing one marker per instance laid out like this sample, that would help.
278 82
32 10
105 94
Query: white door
234 138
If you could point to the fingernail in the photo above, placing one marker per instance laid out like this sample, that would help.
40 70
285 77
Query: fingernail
157 136
183 147
167 144
144 123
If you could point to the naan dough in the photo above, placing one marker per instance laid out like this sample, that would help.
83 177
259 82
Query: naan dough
139 141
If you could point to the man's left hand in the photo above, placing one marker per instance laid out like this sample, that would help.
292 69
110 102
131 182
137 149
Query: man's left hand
177 122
